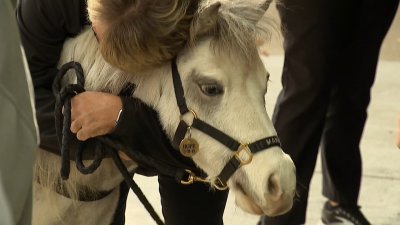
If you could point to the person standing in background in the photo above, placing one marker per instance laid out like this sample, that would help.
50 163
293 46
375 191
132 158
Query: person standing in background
331 54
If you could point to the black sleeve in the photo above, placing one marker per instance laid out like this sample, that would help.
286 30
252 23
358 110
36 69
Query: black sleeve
139 128
44 25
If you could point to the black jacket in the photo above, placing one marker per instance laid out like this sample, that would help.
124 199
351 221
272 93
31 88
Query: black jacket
44 25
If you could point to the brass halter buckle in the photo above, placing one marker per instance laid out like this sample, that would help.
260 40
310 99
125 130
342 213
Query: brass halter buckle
191 178
244 155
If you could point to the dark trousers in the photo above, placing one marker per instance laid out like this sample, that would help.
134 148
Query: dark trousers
331 53
191 205
182 205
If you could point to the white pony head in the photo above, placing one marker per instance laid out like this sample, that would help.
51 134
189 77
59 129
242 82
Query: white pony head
224 83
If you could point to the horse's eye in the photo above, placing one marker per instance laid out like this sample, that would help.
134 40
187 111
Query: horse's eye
212 89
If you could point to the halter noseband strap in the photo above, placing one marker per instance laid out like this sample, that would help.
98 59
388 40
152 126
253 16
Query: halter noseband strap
243 152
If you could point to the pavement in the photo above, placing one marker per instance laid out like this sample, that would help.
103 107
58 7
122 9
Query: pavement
380 191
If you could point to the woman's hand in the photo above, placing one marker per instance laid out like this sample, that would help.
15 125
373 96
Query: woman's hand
94 114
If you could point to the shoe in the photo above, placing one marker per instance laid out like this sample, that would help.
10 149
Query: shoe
340 215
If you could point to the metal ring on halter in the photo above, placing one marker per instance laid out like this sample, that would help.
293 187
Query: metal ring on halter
193 178
191 111
244 148
190 178
219 185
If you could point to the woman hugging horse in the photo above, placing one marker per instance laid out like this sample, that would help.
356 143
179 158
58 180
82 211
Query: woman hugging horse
141 38
44 26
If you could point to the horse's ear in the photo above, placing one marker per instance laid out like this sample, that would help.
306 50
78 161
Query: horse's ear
264 7
206 19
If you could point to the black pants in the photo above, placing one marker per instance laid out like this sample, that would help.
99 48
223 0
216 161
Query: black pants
182 205
191 205
331 53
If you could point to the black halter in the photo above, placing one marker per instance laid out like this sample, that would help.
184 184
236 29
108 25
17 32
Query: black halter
243 152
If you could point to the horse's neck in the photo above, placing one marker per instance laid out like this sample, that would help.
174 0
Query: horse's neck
156 90
151 85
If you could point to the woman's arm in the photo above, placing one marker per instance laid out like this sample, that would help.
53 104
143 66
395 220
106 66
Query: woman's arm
139 128
44 25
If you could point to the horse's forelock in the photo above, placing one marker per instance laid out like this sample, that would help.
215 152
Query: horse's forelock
237 28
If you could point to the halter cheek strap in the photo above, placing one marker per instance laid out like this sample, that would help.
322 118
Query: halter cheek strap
243 152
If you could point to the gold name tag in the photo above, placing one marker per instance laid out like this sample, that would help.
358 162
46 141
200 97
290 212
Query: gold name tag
188 147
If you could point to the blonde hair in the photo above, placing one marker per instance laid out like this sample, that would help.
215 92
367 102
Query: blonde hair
142 33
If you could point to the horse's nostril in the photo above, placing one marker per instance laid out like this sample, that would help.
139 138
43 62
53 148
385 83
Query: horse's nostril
273 187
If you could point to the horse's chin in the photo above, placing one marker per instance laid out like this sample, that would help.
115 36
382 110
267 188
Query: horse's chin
247 205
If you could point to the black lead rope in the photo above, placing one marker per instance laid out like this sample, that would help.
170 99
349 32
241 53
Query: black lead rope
103 144
63 99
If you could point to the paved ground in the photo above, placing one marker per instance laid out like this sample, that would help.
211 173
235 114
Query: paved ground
380 193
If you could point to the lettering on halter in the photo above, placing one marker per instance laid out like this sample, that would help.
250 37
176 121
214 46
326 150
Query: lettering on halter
272 140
